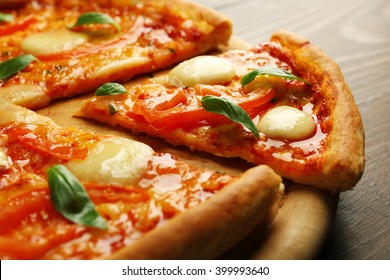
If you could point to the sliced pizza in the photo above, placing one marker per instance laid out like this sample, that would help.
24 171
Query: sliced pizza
283 103
71 194
54 49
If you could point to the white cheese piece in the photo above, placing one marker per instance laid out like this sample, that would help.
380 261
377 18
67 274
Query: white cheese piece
4 163
30 96
120 65
288 123
113 161
53 41
205 69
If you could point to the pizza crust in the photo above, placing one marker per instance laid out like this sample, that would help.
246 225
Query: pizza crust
222 24
343 161
13 113
31 96
210 229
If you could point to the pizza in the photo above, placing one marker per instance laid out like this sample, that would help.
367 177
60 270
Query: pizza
283 103
66 193
55 49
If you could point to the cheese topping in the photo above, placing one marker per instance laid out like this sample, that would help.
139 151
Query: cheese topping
4 163
53 41
31 96
287 123
121 65
12 113
208 70
115 161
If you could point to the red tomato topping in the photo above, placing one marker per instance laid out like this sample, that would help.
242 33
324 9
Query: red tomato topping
17 26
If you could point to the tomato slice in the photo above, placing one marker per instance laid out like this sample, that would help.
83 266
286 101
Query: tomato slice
18 26
183 108
15 211
131 36
156 102
62 145
20 212
34 213
22 249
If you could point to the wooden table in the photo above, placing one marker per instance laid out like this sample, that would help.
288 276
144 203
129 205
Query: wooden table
356 34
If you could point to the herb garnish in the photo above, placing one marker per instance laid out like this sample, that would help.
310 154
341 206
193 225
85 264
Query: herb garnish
110 89
111 109
71 199
229 109
270 71
95 17
6 17
12 66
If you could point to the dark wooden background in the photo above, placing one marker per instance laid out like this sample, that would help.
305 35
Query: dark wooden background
356 34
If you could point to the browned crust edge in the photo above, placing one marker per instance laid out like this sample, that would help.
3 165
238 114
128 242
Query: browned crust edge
10 112
222 24
344 158
208 230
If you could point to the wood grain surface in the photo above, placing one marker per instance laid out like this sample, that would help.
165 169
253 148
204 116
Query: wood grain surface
356 34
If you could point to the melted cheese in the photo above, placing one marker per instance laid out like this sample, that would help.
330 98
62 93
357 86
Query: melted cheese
121 65
53 41
31 96
113 161
287 123
4 163
207 70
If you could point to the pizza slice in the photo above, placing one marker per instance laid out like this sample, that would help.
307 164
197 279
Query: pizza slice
283 103
70 194
54 49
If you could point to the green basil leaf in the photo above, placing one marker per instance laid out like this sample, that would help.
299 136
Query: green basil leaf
270 71
71 199
6 17
12 66
229 109
95 17
110 89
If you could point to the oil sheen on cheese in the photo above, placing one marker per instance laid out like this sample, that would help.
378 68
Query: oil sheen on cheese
53 41
287 123
113 161
205 69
